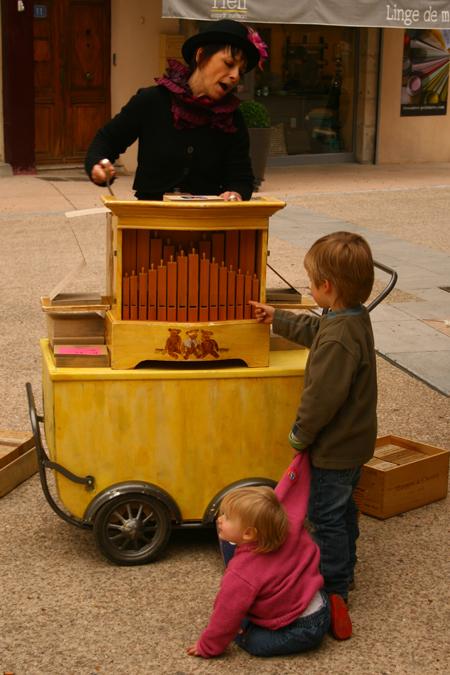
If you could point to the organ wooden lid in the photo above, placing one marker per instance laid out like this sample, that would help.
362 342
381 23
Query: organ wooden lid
184 214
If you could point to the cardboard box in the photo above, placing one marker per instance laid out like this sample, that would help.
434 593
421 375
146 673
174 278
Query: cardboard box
18 459
402 475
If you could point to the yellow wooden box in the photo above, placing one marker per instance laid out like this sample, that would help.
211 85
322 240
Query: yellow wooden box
189 432
403 475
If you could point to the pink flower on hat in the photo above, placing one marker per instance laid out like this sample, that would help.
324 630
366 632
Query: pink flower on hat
260 45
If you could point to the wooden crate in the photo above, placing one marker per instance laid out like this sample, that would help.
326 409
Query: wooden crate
18 459
402 475
77 319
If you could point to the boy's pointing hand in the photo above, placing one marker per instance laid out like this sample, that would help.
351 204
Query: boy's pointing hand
263 313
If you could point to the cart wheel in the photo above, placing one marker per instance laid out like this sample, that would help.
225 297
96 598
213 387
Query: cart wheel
132 529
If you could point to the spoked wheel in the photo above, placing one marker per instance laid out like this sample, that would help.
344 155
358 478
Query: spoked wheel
132 529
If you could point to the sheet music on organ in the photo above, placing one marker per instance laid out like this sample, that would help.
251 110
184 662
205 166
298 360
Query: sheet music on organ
180 197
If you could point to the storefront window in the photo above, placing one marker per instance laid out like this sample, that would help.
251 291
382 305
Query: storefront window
308 85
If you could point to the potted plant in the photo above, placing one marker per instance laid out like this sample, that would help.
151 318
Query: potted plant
257 119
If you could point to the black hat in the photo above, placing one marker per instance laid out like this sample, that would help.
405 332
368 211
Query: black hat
225 32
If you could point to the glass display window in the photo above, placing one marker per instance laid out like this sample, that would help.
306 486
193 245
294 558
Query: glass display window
308 86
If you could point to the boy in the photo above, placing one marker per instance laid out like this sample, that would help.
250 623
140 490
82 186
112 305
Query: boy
336 420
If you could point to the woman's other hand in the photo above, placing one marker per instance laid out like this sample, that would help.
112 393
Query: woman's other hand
231 196
263 313
102 172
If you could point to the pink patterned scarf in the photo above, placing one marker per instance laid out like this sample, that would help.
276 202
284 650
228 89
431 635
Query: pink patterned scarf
190 112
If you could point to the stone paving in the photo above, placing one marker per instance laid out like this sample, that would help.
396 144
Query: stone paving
64 609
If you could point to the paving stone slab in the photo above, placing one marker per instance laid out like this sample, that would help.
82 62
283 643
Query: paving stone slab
408 336
389 313
418 279
430 367
425 309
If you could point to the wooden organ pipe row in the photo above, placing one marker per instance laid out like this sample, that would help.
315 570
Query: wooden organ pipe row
214 282
189 289
142 248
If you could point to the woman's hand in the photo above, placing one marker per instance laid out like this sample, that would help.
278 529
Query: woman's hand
192 650
263 313
102 172
231 196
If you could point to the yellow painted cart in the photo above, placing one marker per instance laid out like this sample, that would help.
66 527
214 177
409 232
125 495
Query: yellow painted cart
199 398
138 452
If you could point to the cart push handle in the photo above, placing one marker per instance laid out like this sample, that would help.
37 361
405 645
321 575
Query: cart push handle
45 463
387 289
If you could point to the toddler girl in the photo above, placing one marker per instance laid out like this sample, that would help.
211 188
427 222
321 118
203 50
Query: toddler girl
270 600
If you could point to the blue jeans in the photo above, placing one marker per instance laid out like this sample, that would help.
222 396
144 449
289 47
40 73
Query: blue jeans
334 517
301 635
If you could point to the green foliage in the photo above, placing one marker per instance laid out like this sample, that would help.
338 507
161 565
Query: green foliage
255 114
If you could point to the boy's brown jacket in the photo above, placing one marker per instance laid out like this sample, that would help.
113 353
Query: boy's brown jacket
336 418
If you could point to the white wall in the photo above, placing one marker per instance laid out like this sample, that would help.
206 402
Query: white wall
135 29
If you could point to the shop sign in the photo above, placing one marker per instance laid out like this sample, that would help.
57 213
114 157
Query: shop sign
425 75
398 14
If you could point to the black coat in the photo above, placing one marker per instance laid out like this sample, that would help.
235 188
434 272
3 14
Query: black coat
199 161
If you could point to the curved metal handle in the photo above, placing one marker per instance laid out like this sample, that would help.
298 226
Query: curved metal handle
35 419
44 462
390 285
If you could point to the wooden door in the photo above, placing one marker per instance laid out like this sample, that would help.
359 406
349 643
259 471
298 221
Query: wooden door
71 76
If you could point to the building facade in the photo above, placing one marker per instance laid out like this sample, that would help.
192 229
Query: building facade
334 92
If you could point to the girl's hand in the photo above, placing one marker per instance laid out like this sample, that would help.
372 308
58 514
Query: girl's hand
102 171
230 196
264 313
192 650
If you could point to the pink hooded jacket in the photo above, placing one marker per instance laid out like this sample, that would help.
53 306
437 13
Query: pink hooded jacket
270 589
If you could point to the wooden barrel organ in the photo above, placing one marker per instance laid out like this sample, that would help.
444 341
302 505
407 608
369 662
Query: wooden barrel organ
180 275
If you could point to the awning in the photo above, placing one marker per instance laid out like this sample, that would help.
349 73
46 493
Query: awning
399 14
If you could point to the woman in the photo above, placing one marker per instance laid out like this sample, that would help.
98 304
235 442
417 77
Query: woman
192 137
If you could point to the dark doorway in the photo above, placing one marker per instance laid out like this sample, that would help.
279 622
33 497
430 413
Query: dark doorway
71 40
17 52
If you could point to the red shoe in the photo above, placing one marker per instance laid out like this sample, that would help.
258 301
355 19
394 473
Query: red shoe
341 624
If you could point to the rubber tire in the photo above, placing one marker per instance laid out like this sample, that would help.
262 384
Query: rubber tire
107 521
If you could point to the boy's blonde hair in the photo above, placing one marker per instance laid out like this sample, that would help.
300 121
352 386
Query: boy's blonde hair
258 507
346 260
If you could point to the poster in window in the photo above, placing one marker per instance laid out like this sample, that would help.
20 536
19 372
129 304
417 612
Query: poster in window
426 58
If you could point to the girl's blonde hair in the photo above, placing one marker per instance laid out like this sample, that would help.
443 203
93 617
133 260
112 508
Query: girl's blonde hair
258 507
345 259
